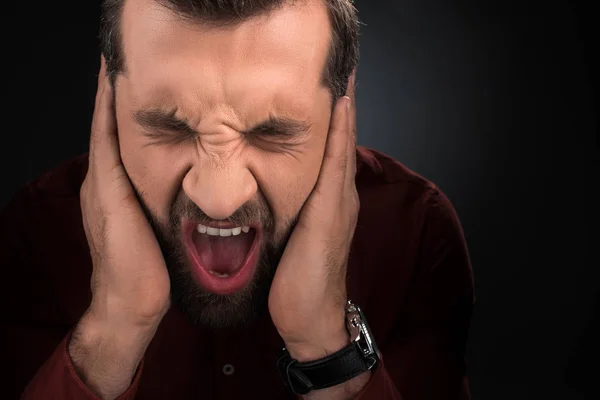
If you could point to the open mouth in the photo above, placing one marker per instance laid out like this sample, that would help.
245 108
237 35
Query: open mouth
223 258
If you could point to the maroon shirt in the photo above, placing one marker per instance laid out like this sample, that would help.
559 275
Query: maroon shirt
409 270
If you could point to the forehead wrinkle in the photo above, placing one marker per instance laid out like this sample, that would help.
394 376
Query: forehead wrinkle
229 69
244 113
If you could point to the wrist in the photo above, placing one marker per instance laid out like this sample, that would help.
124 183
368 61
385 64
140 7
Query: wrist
326 336
333 366
317 349
345 390
106 357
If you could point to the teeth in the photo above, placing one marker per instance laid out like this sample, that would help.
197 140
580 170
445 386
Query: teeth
212 231
222 232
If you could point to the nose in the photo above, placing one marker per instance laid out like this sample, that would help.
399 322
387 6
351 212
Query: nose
219 191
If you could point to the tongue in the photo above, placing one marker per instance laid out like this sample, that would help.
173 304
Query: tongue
223 255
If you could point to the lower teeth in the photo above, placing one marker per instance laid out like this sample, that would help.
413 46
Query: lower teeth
219 275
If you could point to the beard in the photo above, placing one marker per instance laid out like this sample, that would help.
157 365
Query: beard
201 307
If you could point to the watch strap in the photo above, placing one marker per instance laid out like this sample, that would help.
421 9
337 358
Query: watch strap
336 368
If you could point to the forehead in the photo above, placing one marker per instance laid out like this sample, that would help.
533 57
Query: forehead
269 61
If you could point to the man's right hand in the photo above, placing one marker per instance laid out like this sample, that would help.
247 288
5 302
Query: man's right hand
130 283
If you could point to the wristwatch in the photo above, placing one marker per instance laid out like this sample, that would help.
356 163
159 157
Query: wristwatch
358 357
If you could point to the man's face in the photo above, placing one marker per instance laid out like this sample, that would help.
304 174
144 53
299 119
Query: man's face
223 125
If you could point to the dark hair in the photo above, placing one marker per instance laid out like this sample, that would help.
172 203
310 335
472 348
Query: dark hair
343 51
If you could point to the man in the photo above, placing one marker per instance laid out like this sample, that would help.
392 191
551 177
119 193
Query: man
224 213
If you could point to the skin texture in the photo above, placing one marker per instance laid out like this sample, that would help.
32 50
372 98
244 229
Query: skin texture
222 83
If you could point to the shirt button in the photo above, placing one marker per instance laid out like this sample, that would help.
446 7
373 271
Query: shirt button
228 369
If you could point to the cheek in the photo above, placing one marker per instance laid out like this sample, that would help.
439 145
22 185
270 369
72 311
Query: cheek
286 180
154 170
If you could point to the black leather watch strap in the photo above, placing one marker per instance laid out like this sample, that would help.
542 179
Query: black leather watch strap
332 370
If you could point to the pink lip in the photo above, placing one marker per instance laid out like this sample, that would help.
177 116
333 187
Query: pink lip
215 284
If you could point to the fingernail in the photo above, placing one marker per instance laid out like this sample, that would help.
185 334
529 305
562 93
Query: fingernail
348 103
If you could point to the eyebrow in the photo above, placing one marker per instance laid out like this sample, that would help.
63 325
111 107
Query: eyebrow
160 120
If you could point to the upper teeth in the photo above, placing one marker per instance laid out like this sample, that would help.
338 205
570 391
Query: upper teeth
222 232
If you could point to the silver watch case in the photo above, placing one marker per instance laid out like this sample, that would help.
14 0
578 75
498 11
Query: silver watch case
360 334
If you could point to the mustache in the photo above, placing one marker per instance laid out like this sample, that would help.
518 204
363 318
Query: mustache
253 211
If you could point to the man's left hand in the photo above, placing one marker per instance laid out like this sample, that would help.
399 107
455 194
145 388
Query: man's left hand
308 294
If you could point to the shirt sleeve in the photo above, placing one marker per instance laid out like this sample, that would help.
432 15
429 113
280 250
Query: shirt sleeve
57 379
380 386
425 357
33 332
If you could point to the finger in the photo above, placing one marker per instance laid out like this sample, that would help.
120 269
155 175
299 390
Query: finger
101 81
335 160
351 167
104 146
102 73
99 94
350 89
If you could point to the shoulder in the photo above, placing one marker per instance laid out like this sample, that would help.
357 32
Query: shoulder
43 245
408 231
386 184
408 247
63 181
56 186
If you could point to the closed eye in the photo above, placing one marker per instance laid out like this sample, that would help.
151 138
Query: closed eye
280 130
166 127
171 137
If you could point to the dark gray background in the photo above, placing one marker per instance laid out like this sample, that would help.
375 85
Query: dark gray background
491 100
